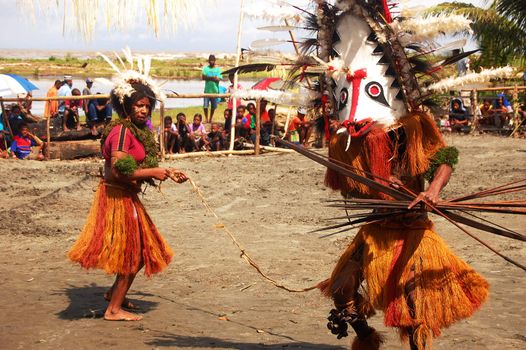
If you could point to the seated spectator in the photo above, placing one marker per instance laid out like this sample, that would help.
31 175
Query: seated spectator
242 132
4 154
16 118
4 117
500 111
266 124
170 135
522 109
25 107
485 112
183 143
458 116
22 143
444 124
71 118
198 133
99 111
300 129
227 114
215 138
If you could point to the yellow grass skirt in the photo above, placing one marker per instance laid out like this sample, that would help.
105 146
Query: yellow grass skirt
119 236
446 288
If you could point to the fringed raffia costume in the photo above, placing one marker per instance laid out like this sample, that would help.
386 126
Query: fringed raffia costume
119 236
409 272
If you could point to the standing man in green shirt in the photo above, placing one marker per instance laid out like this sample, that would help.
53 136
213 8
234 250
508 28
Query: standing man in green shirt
211 75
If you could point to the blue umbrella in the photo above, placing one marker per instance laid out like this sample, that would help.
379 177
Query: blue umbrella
12 84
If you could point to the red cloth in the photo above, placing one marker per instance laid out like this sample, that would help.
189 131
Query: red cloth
121 139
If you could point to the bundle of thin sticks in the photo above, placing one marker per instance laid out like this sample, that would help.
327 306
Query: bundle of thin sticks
457 211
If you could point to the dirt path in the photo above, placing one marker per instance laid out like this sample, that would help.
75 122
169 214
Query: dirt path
209 298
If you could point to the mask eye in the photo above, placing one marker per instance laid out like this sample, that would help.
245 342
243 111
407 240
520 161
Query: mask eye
375 91
344 95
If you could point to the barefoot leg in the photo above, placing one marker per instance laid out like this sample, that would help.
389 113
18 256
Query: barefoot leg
114 312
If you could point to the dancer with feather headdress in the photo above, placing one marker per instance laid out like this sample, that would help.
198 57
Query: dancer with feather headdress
119 236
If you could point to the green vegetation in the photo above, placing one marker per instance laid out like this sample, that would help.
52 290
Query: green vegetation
180 68
499 30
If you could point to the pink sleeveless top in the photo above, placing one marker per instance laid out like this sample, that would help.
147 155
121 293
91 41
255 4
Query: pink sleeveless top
121 139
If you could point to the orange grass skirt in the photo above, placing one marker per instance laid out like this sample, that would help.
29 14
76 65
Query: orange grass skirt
119 237
446 288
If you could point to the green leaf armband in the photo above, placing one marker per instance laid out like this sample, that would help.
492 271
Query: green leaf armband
445 155
126 166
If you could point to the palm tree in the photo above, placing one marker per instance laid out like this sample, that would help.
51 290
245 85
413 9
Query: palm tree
499 30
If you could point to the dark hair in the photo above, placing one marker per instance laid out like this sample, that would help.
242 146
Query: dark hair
229 110
168 118
75 92
251 104
180 114
141 91
211 57
22 126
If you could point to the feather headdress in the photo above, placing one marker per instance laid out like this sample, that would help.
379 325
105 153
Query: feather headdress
125 77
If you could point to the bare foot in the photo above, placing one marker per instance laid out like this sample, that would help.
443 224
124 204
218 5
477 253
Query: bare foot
126 303
66 129
121 315
79 128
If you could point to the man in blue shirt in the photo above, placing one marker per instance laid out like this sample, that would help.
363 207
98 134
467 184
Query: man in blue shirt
65 90
211 75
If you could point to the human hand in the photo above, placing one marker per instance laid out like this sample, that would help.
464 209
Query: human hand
428 196
160 173
178 176
395 182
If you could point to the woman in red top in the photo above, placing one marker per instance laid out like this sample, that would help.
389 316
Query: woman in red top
119 236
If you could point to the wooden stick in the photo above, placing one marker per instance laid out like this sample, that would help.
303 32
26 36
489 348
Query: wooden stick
207 154
258 127
270 148
238 56
287 122
48 136
161 129
502 88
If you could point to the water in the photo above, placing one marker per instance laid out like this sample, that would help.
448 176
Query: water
168 86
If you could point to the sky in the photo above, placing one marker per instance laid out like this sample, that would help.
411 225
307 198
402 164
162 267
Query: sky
215 32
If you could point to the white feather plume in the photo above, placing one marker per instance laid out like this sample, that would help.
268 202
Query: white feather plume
483 77
273 11
112 65
427 28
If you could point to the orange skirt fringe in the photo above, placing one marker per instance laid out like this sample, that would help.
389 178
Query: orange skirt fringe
119 236
446 288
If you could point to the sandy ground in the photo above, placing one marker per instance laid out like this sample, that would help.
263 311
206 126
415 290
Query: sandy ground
209 298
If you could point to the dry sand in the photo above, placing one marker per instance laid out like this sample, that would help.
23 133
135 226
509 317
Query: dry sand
209 298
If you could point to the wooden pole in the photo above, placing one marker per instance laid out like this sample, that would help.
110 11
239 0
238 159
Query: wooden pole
48 137
287 122
94 97
258 127
238 56
161 129
516 120
208 154
474 110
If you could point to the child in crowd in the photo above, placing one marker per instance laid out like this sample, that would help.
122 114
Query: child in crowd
228 121
184 143
71 112
215 138
22 143
170 134
300 129
3 146
198 133
444 124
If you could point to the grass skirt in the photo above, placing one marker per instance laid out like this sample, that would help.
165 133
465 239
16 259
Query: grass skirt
119 236
446 288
